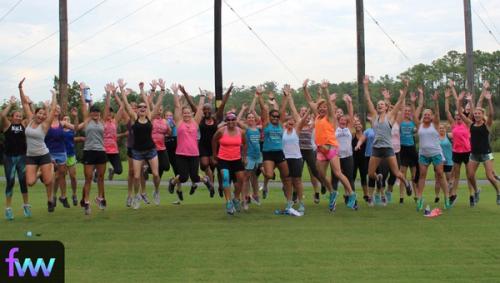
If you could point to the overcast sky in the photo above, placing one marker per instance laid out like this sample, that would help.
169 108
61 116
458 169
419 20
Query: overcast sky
174 40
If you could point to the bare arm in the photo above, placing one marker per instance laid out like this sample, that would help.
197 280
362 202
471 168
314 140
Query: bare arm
53 104
449 117
220 110
491 112
177 104
307 95
418 111
263 107
371 109
397 106
437 118
24 101
188 98
295 113
301 122
199 113
5 112
244 108
215 143
252 105
145 98
466 119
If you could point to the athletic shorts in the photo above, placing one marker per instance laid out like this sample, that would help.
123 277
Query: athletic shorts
276 156
294 167
408 155
232 166
38 160
129 152
253 163
59 158
326 154
435 160
481 157
144 154
447 168
71 160
460 157
382 152
94 157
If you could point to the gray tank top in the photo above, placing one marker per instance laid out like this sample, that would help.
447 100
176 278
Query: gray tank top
383 133
35 141
94 136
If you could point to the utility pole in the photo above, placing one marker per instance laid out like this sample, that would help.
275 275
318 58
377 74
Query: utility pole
218 52
469 57
360 32
63 56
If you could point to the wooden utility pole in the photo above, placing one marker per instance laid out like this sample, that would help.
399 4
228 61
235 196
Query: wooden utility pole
218 52
468 46
360 32
63 56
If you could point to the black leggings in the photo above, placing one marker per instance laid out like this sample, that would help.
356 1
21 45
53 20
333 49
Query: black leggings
309 157
392 177
114 159
361 164
171 144
163 164
346 167
188 168
382 169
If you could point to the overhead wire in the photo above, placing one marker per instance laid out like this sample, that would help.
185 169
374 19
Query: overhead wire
10 10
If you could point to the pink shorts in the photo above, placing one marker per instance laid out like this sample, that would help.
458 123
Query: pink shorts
326 155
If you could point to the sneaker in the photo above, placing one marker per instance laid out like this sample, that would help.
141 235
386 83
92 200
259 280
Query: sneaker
145 198
388 196
101 203
9 215
86 208
171 185
129 201
245 205
180 196
75 200
378 201
436 199
156 197
476 195
323 190
408 188
94 178
111 173
370 202
237 205
256 199
472 202
64 202
447 204
316 198
301 208
208 183
265 192
289 205
51 206
384 201
498 199
420 204
230 208
351 203
193 188
332 203
136 202
27 210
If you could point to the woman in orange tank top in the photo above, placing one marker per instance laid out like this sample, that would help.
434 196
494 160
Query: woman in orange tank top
325 125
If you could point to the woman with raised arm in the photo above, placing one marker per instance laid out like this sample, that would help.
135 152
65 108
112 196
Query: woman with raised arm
37 153
327 144
111 123
446 146
187 152
364 146
430 152
94 155
360 160
14 157
480 142
382 121
69 142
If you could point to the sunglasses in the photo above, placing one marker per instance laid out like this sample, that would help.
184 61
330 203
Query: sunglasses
230 120
275 116
141 106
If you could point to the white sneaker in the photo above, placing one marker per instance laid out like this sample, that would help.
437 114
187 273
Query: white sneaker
156 197
136 202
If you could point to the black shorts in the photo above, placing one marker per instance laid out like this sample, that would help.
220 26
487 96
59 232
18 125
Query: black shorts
276 156
294 167
205 149
94 157
38 160
129 152
232 166
447 168
460 157
408 156
382 152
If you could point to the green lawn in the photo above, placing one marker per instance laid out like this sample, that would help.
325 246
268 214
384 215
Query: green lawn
198 242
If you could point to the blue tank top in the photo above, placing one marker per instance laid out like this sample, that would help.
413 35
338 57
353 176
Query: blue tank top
370 137
69 142
253 143
406 130
55 139
273 138
172 126
447 152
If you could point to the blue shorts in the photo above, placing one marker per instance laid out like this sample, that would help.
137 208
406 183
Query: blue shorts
144 154
435 160
59 157
253 163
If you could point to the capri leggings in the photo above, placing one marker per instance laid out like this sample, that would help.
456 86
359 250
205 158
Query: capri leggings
361 165
392 178
309 157
346 167
163 162
12 165
188 168
114 159
171 144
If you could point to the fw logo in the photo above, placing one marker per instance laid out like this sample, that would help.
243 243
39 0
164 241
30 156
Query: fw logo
28 264
31 261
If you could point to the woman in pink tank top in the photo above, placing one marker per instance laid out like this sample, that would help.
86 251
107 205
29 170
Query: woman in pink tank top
228 148
111 122
160 130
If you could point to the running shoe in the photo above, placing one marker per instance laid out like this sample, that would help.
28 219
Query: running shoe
171 185
9 215
27 210
256 199
351 203
51 206
384 200
75 200
436 199
420 204
332 202
64 202
301 208
145 198
370 202
136 202
498 199
156 197
208 183
86 208
316 198
94 176
472 202
388 196
447 204
265 191
101 203
193 188
129 201
245 205
111 173
408 188
289 205
230 208
476 195
378 201
237 205
180 196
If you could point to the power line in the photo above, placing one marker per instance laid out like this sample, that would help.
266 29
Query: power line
10 10
263 42
488 16
389 37
51 35
485 26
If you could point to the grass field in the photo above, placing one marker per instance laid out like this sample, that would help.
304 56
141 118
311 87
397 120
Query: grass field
198 242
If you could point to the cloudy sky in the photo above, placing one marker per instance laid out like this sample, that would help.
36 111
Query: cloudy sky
144 39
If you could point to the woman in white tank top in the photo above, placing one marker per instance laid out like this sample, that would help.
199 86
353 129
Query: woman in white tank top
430 151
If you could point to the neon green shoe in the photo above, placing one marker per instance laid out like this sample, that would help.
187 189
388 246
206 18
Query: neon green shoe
420 204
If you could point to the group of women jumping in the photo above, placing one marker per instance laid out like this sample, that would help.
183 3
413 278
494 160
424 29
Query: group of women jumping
235 148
